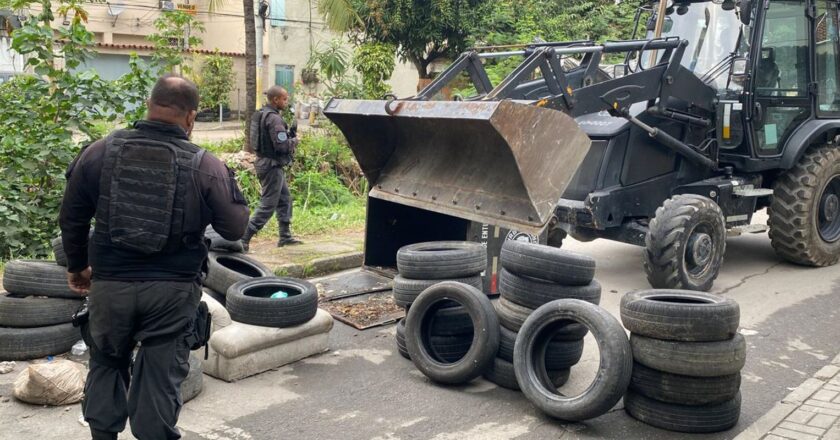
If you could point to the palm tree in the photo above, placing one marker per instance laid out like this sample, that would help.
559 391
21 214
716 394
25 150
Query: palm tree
250 65
340 15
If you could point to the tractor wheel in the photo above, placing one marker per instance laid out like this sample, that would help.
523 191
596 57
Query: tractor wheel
805 212
685 243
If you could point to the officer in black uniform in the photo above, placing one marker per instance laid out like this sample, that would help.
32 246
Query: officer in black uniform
275 146
152 193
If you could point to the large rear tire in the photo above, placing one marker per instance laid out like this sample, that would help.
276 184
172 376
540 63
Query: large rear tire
685 244
805 212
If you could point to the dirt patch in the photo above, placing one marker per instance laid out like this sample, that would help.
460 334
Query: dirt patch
365 311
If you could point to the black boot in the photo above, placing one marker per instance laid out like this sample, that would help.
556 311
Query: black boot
286 235
102 435
246 239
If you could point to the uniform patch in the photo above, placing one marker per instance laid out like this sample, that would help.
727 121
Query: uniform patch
282 136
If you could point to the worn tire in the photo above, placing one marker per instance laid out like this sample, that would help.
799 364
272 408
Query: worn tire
194 382
450 348
406 289
220 298
684 418
485 342
58 251
452 321
683 390
441 260
680 315
502 373
16 311
37 277
795 209
225 270
559 354
547 263
400 338
667 261
698 359
18 344
248 302
532 293
512 316
613 374
220 244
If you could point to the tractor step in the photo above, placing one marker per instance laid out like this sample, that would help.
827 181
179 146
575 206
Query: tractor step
747 229
751 191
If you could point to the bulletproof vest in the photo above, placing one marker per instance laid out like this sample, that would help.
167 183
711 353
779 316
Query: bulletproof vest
149 201
260 139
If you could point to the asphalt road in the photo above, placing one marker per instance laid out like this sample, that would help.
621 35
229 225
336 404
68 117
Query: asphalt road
363 389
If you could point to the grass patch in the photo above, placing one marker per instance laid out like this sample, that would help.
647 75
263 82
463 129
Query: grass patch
319 220
233 145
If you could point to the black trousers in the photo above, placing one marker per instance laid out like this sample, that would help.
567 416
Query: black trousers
275 196
121 315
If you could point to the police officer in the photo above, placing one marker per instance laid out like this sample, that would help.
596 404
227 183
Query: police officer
152 193
275 146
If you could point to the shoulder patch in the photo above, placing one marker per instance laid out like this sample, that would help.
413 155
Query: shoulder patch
282 136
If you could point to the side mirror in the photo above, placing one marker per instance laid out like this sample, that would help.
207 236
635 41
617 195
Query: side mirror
738 69
619 70
744 11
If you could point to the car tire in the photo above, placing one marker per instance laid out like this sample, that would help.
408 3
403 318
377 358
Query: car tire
220 244
559 354
512 316
485 342
611 380
680 315
501 373
547 263
18 344
407 289
683 390
532 293
697 359
684 418
400 338
38 278
58 251
29 311
248 302
441 260
225 270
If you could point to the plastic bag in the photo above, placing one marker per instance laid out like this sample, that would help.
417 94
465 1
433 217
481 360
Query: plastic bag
60 382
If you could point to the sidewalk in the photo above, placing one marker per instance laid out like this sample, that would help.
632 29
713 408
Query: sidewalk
318 255
810 412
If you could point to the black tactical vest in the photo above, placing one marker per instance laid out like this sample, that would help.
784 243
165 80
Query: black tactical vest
149 201
260 138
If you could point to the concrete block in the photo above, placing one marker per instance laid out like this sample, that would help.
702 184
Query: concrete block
800 416
822 421
794 435
802 428
241 350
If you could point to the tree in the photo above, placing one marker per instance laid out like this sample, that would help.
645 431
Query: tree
250 66
375 62
423 31
44 113
176 34
216 81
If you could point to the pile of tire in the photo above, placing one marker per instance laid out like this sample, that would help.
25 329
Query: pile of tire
227 265
687 359
422 265
36 308
532 275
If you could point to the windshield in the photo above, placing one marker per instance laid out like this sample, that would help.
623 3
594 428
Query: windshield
712 34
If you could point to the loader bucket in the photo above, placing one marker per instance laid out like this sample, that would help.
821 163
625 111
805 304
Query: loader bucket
504 163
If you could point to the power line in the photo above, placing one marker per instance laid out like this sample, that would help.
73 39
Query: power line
214 13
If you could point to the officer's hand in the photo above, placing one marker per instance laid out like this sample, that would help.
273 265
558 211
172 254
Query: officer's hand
79 282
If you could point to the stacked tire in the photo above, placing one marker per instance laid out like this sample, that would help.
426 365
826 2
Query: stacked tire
687 359
227 265
422 265
254 301
532 275
36 308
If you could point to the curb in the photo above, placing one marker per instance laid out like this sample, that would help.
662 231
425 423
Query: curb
790 403
320 266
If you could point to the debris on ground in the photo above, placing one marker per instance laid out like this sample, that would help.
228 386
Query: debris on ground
60 382
364 311
7 367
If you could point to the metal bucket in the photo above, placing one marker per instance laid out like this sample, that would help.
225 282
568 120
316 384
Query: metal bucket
505 163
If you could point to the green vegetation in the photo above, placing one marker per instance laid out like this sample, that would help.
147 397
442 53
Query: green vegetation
215 81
